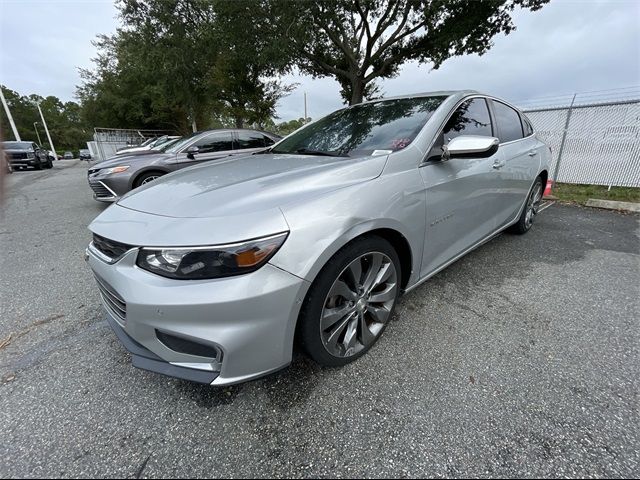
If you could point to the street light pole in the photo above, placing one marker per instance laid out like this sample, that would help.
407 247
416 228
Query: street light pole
37 133
53 149
16 135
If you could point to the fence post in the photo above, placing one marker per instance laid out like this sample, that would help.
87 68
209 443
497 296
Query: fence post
564 139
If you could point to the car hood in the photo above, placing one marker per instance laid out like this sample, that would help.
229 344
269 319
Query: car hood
148 156
249 184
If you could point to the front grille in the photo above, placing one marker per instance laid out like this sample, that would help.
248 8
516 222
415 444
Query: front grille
110 248
17 156
100 190
112 301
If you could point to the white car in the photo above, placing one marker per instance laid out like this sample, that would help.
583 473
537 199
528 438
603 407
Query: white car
148 145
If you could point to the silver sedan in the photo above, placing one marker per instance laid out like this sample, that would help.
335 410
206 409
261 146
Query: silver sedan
213 272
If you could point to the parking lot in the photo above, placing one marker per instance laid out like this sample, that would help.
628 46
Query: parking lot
522 359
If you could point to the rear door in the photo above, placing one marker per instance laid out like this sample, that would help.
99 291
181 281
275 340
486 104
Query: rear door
521 160
212 146
460 192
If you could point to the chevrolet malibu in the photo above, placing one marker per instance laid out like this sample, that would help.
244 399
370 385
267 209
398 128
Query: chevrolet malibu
213 272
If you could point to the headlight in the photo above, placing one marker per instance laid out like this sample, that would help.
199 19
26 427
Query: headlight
195 263
118 169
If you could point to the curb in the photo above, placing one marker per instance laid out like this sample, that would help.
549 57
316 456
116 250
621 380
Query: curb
612 205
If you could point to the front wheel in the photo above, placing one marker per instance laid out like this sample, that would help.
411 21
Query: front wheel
530 209
146 178
350 302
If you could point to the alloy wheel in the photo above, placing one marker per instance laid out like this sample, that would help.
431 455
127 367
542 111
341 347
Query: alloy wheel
358 304
533 204
149 179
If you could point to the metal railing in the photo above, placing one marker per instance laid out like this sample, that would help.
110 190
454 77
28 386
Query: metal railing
595 138
107 141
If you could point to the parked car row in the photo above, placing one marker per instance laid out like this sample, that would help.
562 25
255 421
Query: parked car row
211 273
112 178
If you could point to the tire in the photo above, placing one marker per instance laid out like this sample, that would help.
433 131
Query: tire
146 178
352 321
49 164
530 210
38 165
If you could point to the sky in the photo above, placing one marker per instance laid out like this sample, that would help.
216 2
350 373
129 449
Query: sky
569 46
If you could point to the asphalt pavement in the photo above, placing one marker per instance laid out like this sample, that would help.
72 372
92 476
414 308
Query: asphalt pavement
521 359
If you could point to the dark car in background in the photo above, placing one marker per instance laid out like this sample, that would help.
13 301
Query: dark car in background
68 155
112 178
85 154
26 154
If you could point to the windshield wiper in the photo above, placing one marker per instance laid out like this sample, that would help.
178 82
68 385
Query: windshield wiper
306 151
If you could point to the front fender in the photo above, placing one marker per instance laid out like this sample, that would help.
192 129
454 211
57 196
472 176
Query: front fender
322 226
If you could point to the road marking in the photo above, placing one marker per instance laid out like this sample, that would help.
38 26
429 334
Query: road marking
545 206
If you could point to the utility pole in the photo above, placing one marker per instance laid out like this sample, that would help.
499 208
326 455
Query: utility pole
305 107
13 125
53 149
37 134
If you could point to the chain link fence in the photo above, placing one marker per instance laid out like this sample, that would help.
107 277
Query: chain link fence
107 141
595 138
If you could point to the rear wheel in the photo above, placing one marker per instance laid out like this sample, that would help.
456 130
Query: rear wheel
530 209
146 178
350 302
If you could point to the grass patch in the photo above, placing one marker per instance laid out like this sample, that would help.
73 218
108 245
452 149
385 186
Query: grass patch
581 193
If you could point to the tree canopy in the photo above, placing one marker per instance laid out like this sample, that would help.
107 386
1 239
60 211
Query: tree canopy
359 41
64 121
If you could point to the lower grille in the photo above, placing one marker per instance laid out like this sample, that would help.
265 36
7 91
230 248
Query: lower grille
112 301
100 190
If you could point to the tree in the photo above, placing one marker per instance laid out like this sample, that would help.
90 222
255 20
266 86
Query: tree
65 124
360 41
189 62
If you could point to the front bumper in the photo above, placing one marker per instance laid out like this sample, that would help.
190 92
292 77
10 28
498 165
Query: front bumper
249 319
24 162
102 192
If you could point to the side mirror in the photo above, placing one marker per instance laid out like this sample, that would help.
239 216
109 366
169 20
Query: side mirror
192 150
470 146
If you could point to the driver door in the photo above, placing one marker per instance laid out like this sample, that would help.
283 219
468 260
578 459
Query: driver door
461 192
213 146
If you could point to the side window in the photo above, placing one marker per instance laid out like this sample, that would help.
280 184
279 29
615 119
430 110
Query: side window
268 141
216 142
526 126
250 140
471 118
508 120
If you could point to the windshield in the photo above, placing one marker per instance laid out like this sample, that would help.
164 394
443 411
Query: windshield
16 145
167 145
388 125
181 143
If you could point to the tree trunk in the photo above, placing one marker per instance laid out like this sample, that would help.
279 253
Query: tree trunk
239 122
357 91
194 127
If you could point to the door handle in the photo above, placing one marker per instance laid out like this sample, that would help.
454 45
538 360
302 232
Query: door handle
532 153
498 165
